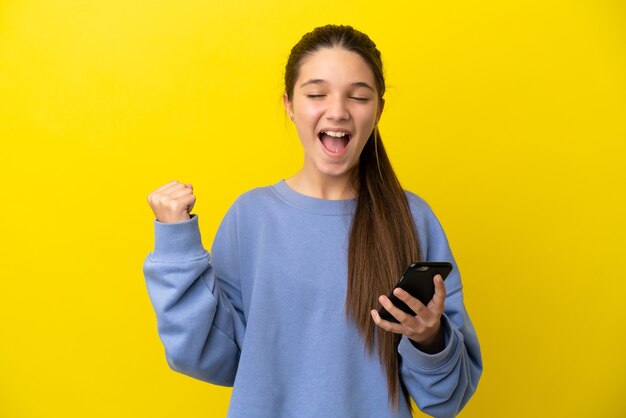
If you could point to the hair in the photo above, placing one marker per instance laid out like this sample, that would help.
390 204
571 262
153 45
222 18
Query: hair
383 238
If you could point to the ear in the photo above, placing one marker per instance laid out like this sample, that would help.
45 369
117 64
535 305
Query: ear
288 106
381 106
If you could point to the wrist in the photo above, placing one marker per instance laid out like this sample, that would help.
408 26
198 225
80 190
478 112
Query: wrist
433 344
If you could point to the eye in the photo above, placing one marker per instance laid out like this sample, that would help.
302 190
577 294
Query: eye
360 99
315 96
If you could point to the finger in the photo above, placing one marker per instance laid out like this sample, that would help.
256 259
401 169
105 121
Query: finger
189 202
165 186
387 325
166 190
439 298
402 317
412 302
174 192
188 198
177 194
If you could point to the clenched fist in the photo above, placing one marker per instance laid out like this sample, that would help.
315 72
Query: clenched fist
172 202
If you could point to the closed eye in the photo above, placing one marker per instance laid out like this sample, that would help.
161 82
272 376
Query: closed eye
360 99
314 96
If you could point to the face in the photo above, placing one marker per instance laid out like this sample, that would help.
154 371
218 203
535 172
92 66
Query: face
335 107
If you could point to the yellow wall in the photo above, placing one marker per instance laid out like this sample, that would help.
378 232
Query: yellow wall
508 118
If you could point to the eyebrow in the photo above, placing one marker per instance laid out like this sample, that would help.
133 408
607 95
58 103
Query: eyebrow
320 81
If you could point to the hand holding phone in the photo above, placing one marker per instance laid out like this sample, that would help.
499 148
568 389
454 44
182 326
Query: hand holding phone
417 280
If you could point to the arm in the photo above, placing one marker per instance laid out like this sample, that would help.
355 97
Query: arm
199 315
442 383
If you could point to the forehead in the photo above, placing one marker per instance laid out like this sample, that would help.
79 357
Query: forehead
335 66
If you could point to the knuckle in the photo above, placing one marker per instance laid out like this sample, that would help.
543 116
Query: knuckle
161 201
173 205
418 329
434 321
154 200
414 325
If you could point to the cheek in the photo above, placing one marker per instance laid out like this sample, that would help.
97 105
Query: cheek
307 119
310 112
364 115
305 126
371 116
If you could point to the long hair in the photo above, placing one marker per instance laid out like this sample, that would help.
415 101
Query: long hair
383 239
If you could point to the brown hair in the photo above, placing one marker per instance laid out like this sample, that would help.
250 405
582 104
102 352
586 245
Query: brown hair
383 238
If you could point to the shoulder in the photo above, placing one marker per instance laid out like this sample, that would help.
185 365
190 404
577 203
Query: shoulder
416 201
245 211
429 230
254 202
255 196
420 209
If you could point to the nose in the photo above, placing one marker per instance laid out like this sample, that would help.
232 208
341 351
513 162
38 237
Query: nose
337 109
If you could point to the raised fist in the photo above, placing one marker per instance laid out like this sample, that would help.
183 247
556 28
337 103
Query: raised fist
172 202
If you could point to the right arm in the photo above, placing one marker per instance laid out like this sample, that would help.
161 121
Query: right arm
199 315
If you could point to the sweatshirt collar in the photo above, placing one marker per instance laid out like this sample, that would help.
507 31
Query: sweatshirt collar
314 204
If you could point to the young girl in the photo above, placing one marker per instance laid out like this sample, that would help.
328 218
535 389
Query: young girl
284 307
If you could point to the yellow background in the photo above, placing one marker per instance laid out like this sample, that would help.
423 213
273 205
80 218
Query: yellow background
508 118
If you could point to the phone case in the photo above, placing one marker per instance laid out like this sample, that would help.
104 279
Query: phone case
417 280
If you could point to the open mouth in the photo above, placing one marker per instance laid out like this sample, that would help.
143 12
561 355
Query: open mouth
335 142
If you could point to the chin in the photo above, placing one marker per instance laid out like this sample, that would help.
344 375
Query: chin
335 171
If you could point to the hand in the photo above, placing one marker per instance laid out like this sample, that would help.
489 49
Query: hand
172 202
425 327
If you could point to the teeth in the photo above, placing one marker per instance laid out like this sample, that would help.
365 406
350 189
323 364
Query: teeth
336 134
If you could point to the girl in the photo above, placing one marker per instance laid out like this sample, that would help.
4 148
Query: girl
284 307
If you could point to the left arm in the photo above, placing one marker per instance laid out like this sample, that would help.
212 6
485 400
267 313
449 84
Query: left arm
440 359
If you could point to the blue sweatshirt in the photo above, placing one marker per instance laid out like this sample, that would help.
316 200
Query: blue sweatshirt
264 312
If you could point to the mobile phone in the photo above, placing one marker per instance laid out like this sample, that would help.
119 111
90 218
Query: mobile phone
417 280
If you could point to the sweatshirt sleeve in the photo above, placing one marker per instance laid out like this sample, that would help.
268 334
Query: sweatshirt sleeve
199 314
442 383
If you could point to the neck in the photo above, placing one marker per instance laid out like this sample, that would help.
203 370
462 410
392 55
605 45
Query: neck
322 186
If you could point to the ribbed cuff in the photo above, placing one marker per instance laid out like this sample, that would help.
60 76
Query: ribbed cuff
178 241
429 361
